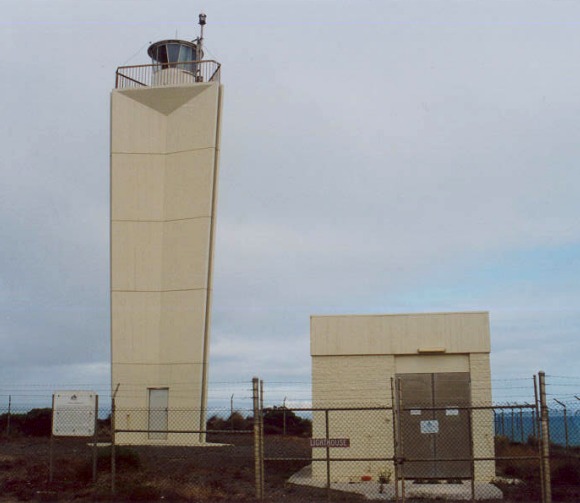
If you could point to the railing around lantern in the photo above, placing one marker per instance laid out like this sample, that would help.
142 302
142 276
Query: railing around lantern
167 74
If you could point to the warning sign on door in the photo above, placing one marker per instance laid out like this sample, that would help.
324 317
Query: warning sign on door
431 426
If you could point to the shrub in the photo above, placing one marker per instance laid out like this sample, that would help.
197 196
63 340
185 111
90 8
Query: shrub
235 421
37 423
566 473
274 418
216 423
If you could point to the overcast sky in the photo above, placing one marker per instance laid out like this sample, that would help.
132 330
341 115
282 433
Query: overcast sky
377 157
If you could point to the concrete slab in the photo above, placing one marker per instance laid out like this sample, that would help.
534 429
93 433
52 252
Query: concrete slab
372 491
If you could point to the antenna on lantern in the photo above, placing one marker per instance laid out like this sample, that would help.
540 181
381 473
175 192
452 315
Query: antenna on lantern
202 18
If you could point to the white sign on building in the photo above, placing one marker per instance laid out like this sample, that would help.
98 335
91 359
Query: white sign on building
74 413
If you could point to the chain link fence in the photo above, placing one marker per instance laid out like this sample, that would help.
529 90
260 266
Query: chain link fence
401 450
158 454
383 453
564 431
417 450
36 465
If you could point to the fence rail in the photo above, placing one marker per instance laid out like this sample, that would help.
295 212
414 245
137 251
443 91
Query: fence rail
167 74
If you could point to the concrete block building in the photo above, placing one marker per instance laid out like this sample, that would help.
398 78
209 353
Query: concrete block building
434 364
165 131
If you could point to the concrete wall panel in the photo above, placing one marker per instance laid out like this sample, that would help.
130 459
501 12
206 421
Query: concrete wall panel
164 99
136 255
186 254
193 126
483 421
136 128
399 334
430 364
189 184
183 315
353 381
136 320
137 182
183 381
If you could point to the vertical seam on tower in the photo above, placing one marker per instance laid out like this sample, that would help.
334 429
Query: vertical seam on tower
205 350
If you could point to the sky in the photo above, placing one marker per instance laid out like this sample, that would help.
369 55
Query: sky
377 157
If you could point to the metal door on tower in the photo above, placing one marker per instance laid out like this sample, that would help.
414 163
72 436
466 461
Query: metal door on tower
434 425
158 413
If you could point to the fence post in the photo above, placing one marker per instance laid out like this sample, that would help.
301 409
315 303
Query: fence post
538 426
400 439
257 461
113 441
545 439
113 457
327 436
262 438
51 447
394 412
9 414
95 434
284 417
471 453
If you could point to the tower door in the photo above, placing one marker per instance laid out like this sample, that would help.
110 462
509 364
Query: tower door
434 425
158 412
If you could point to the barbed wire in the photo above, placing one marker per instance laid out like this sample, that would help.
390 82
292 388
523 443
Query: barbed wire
277 391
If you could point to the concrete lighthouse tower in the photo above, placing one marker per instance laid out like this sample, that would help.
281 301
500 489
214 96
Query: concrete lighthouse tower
165 130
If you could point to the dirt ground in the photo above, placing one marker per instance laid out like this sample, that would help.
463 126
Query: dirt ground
203 474
192 474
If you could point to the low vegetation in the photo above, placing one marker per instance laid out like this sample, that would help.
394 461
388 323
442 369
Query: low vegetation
36 423
523 477
277 420
222 473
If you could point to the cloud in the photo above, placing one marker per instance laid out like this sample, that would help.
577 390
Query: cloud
389 170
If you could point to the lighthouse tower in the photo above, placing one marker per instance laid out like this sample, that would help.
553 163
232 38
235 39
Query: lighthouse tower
165 129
